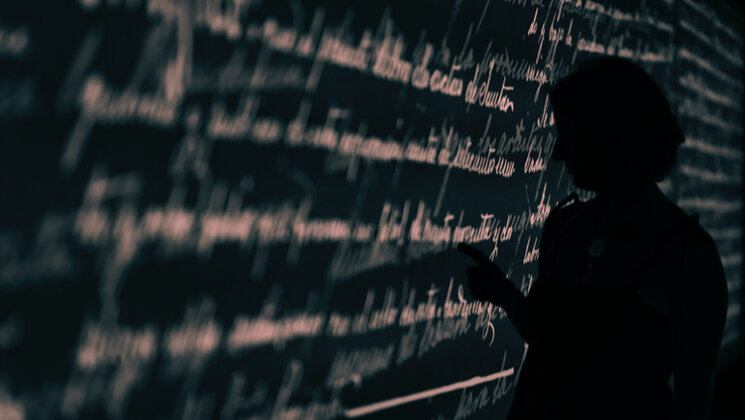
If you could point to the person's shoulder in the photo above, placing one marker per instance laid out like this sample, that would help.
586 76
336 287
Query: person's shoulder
559 216
702 270
700 246
564 210
696 240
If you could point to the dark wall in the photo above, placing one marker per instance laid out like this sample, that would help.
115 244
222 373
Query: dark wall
245 209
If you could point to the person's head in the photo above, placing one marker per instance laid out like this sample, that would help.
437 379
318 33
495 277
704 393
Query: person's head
615 127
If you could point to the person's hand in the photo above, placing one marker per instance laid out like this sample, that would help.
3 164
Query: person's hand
486 280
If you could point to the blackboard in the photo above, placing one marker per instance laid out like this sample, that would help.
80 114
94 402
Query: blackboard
245 209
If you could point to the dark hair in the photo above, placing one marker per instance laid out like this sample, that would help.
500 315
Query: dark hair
619 104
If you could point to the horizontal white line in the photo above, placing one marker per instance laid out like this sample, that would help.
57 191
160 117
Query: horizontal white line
699 86
710 204
732 259
712 16
393 402
688 27
716 46
727 30
725 234
709 176
703 146
687 54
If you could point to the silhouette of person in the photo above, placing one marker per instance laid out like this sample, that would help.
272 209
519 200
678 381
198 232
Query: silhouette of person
626 317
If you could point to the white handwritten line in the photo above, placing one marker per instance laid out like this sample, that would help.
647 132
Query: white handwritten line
705 147
393 402
725 234
692 30
709 204
709 176
701 10
732 58
712 16
700 113
706 65
483 13
732 259
727 30
697 85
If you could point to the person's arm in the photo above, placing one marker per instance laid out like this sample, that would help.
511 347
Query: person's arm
699 311
518 306
517 309
488 282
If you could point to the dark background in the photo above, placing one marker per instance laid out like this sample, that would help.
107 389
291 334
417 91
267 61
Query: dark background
75 258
